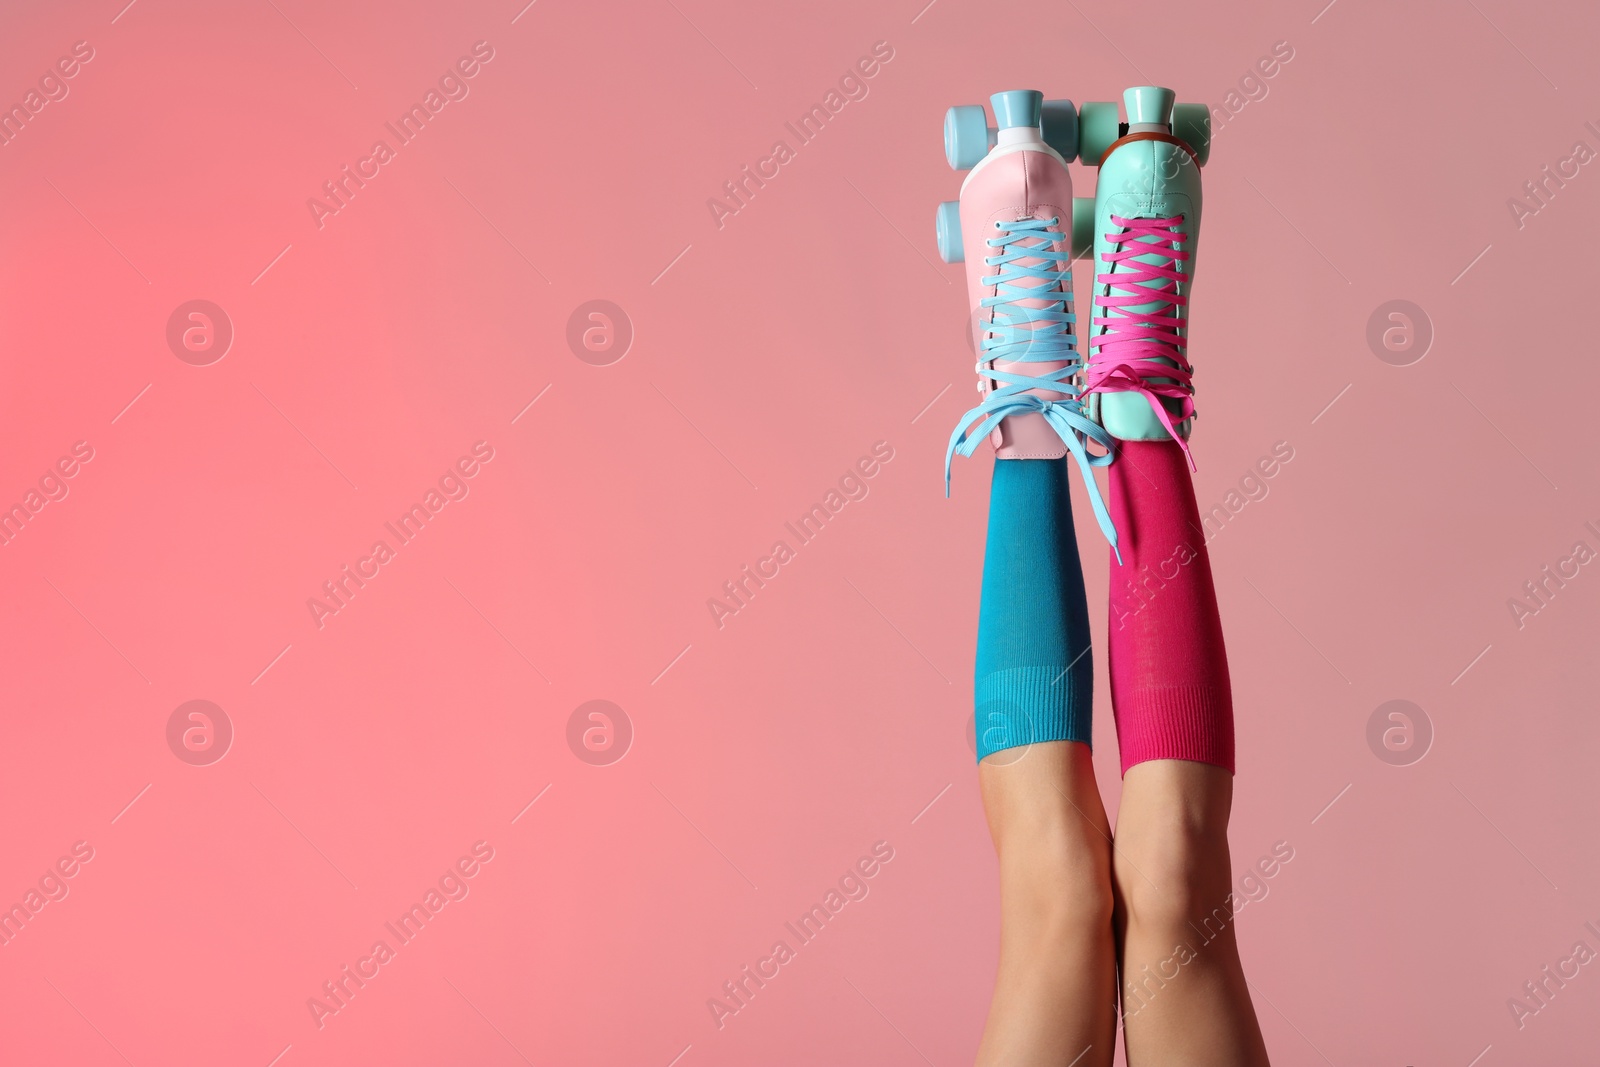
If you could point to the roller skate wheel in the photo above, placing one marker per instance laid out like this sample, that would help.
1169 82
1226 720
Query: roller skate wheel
947 224
1099 126
1059 119
967 136
1191 124
1082 227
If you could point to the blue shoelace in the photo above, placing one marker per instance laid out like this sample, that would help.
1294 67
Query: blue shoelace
1013 336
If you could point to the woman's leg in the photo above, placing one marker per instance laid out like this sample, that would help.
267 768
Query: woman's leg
1185 1001
1055 995
1184 998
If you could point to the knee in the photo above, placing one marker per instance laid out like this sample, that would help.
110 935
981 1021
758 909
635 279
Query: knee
1175 878
1065 884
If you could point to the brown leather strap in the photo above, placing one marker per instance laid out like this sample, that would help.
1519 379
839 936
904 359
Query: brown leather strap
1149 136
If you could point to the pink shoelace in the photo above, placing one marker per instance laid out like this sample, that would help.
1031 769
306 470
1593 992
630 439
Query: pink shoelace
1134 345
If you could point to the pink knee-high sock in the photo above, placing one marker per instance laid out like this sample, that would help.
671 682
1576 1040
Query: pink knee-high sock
1169 672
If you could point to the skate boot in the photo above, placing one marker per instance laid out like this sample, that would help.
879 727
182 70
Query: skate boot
1015 217
1138 382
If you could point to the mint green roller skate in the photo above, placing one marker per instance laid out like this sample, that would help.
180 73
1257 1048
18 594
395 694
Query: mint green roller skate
1145 225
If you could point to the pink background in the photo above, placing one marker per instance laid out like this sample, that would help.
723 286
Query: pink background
768 355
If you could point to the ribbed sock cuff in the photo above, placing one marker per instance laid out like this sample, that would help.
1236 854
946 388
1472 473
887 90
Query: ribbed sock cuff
1026 705
1191 722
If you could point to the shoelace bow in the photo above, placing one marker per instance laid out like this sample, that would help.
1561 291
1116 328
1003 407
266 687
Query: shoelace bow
1137 346
1033 269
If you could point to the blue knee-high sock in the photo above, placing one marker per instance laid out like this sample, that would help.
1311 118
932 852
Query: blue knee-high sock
1035 675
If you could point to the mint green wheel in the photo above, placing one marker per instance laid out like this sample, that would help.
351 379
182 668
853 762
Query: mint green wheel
1099 126
1191 124
1082 227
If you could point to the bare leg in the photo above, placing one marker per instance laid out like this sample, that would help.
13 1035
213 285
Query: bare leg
1055 994
1185 1002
